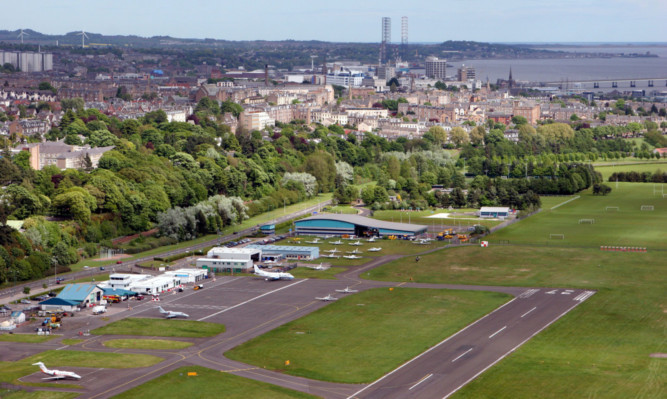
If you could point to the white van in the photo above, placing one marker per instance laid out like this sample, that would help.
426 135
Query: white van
99 309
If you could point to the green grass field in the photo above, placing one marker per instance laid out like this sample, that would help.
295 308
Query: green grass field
30 338
330 273
208 384
92 359
630 226
71 341
549 201
599 350
161 344
640 167
344 209
160 328
456 219
366 335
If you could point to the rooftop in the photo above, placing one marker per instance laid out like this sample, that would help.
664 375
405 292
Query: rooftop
367 222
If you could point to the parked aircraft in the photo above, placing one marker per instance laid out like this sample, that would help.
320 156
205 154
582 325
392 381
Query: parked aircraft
272 275
422 242
170 314
333 251
356 243
327 298
330 256
347 290
315 241
356 251
376 249
372 239
351 257
337 242
56 374
318 267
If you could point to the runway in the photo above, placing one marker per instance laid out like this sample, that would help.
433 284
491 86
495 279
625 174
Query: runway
250 306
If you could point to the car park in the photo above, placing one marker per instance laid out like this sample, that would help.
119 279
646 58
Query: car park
24 301
41 298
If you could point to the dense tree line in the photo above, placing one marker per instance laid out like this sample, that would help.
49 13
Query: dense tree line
639 177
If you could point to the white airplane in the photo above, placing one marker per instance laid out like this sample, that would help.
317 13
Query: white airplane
56 374
330 256
326 237
338 242
170 314
372 239
347 290
422 242
356 243
315 241
376 249
272 275
327 298
318 267
351 257
333 251
356 251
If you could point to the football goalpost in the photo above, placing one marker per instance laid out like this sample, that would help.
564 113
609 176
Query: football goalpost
647 208
612 208
659 189
586 221
556 236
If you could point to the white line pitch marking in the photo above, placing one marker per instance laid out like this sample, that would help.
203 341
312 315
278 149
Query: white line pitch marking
62 347
497 332
461 355
551 292
526 314
420 381
567 292
250 300
583 296
510 351
354 395
528 293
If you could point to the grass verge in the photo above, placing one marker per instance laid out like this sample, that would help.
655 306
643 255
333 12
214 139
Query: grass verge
71 341
161 328
161 344
37 395
208 383
366 335
93 359
30 338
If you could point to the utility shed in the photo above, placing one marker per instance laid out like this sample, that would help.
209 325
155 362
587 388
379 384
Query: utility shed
500 212
59 304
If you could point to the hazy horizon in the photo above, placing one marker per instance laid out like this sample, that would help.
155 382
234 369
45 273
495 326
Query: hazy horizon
517 21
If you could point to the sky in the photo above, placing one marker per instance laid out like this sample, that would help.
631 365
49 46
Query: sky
350 20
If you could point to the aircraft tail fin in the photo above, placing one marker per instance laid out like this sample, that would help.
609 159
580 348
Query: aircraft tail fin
161 310
41 366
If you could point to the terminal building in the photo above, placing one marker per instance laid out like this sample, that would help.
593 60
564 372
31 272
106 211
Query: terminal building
229 260
336 224
279 252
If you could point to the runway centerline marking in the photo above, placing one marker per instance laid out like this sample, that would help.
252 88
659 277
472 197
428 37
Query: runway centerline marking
420 381
428 350
497 332
251 299
526 314
461 355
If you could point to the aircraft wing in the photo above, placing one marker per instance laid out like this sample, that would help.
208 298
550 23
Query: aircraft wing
57 377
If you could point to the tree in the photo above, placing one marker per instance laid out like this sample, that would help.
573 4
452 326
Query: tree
477 135
458 136
519 120
438 134
306 179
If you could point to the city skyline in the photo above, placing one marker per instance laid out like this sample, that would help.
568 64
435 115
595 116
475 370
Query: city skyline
608 21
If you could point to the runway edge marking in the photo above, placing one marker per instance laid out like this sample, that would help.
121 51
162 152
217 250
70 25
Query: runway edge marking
428 350
251 299
511 350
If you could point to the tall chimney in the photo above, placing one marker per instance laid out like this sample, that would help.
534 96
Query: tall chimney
266 75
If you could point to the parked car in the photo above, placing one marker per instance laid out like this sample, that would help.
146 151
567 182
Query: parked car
139 297
102 267
41 298
59 279
24 301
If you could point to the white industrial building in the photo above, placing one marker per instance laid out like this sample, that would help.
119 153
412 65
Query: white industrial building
186 276
226 260
154 285
123 281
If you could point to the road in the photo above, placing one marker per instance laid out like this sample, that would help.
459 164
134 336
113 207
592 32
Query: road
13 293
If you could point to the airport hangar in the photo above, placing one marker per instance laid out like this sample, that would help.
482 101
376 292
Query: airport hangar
354 225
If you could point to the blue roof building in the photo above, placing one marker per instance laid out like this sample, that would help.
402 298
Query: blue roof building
354 225
58 304
287 252
81 294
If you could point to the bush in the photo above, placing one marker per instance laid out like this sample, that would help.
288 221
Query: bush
26 290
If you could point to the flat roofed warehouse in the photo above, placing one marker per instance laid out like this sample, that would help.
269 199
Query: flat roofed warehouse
356 225
276 252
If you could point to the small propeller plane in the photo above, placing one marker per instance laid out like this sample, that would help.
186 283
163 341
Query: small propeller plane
315 241
333 251
330 256
351 257
272 275
170 314
347 290
318 267
356 243
355 252
327 298
56 374
372 239
337 242
376 249
422 242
